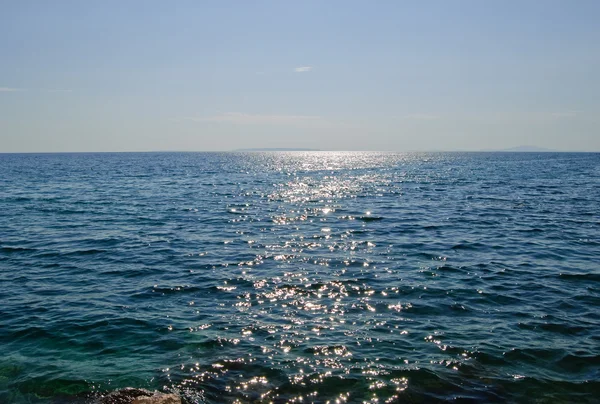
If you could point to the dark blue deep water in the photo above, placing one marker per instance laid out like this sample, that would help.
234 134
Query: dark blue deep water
301 277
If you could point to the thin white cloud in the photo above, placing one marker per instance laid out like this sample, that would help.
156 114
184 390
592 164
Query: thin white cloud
10 89
564 114
536 116
47 90
240 118
303 69
420 117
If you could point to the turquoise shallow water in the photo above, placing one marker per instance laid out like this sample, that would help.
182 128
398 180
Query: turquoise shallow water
301 276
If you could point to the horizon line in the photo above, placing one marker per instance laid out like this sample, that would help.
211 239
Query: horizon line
298 150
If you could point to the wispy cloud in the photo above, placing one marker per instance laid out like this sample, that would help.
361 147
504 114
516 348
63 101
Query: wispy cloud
10 89
46 90
564 114
303 69
420 117
240 118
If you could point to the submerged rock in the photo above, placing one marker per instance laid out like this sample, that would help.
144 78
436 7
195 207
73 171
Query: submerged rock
138 396
158 398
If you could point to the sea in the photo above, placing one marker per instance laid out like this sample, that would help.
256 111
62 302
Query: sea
301 277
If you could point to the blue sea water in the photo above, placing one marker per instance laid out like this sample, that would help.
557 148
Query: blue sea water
301 276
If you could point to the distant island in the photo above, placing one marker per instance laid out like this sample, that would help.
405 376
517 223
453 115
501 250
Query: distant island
275 149
287 149
527 149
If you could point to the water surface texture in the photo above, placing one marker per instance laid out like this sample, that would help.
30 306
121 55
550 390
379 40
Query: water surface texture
301 276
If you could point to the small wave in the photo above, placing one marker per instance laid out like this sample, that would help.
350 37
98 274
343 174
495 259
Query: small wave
580 277
468 246
12 250
558 328
369 218
579 363
533 355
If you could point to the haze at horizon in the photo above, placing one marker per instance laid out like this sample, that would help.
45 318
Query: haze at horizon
399 76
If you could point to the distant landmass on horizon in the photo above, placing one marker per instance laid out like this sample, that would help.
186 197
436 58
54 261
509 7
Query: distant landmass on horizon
523 148
260 149
527 149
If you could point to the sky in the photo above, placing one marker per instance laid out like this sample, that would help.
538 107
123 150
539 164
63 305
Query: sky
332 75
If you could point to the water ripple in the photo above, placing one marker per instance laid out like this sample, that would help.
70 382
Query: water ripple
300 277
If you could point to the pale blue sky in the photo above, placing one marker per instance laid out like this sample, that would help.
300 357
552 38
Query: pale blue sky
339 75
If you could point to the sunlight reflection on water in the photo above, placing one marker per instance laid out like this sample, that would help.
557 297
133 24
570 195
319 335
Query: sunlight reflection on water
299 277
